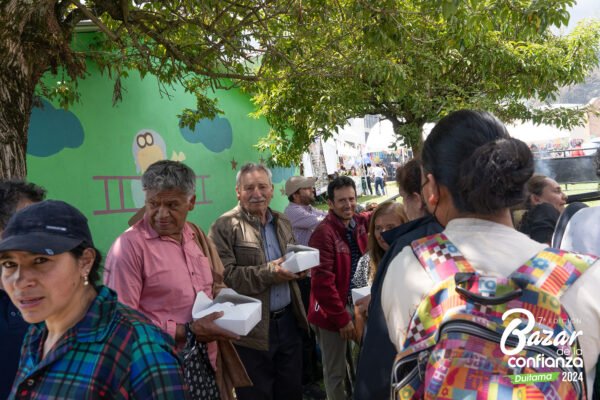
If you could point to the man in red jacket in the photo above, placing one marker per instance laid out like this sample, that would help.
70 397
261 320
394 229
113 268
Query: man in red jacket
341 239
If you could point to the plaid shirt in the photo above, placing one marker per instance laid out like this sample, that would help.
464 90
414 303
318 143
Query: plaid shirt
113 352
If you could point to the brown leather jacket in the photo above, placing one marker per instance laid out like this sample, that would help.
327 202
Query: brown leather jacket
236 234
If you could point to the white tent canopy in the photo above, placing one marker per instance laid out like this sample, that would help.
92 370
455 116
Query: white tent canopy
353 131
330 154
381 137
531 133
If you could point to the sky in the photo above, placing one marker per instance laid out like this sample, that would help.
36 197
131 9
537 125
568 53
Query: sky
583 9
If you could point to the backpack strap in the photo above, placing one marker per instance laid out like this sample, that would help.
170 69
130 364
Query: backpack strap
554 270
440 257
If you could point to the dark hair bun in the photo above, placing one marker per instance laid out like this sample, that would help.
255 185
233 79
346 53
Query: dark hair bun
494 176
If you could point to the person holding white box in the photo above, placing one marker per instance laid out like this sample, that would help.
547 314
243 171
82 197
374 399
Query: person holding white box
160 264
251 239
341 239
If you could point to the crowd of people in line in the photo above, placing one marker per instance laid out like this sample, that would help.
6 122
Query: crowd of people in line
70 333
371 174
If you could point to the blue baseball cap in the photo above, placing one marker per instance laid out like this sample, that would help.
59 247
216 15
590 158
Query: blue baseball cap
49 227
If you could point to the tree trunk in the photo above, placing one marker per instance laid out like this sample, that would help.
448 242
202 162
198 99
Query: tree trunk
16 89
417 140
409 130
16 97
31 42
12 161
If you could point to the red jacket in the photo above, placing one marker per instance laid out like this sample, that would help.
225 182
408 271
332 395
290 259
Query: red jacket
330 280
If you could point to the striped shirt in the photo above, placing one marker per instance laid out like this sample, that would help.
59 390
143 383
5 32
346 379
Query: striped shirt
114 352
280 292
304 220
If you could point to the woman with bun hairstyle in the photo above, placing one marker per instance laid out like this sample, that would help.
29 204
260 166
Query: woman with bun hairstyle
473 173
545 202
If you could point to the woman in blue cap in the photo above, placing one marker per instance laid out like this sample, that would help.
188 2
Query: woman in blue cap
83 343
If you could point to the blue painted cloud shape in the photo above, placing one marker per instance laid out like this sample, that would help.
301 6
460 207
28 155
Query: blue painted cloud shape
216 134
281 174
51 130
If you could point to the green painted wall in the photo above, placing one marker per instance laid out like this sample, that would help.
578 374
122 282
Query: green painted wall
68 159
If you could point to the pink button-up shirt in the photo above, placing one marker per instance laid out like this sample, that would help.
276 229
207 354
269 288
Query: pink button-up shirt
159 276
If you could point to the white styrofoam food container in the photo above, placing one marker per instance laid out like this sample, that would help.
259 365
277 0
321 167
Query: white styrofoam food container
359 293
241 313
299 258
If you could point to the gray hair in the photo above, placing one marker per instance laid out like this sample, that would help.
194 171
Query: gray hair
169 175
246 168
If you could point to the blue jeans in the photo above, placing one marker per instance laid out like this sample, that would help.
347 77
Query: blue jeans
378 184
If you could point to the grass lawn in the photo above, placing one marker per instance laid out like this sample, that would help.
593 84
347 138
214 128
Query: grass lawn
577 188
390 187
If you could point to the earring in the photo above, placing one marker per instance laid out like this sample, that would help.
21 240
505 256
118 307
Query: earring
432 200
85 280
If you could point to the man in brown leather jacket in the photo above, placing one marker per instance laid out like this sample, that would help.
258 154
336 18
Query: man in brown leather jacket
251 240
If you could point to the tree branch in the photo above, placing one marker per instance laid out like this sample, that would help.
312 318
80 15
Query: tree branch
95 20
191 64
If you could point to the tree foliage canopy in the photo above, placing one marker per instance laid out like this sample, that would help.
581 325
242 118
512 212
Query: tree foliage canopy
583 92
199 44
311 64
413 61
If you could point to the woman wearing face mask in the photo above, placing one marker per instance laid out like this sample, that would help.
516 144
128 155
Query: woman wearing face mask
473 173
544 204
386 216
82 343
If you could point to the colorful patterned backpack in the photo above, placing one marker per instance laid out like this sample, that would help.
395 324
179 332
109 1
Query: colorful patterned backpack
459 345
